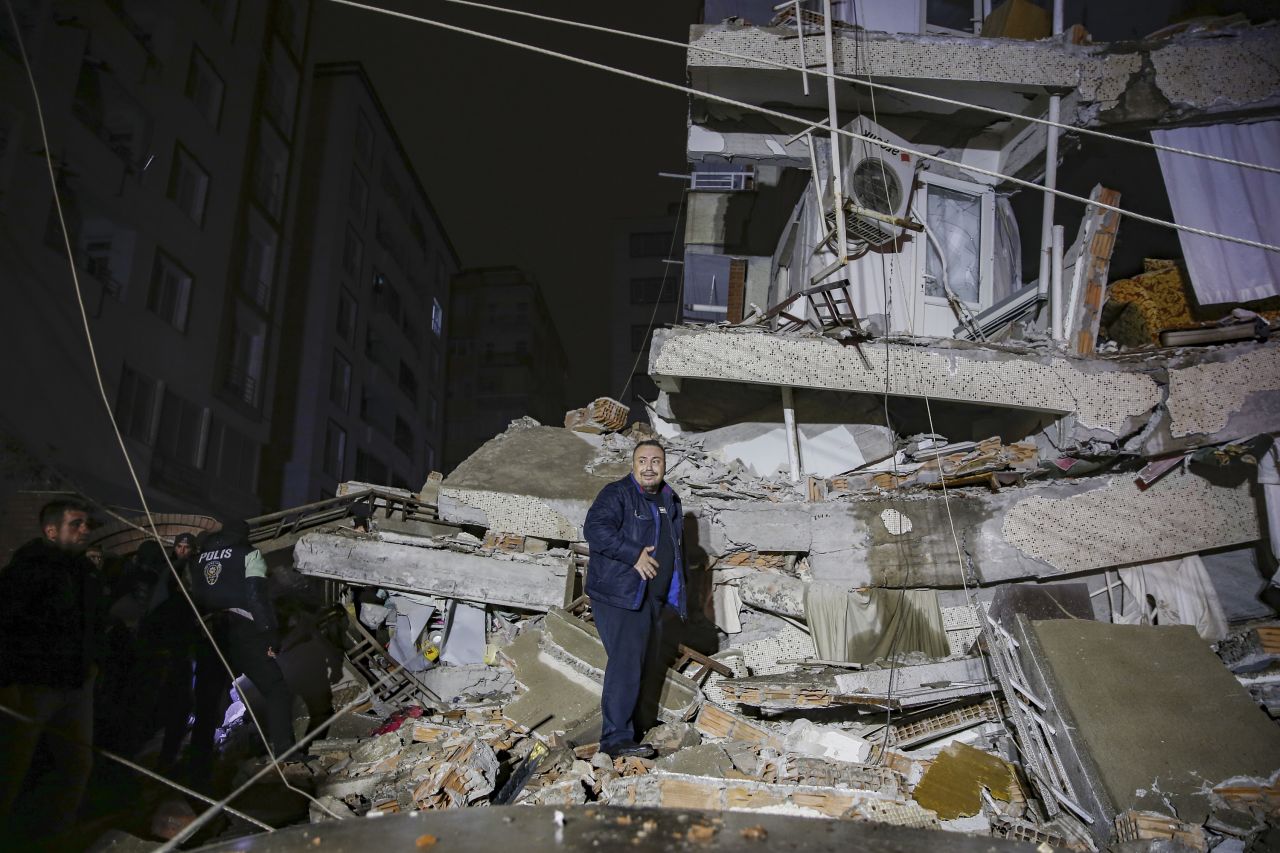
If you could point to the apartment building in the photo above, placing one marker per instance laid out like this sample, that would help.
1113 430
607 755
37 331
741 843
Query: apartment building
173 131
505 358
366 341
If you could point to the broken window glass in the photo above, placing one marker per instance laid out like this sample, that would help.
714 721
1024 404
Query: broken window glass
955 221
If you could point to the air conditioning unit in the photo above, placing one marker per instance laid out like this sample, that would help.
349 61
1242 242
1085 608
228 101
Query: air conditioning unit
878 181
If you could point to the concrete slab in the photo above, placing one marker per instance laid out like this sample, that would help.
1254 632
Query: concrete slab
497 486
594 828
1152 713
414 564
1109 400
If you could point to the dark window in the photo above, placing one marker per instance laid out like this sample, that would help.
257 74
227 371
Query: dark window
364 138
437 318
346 316
232 457
248 347
189 184
224 12
404 437
358 193
205 87
651 244
335 450
352 253
639 338
340 382
178 437
408 382
370 469
432 414
170 295
647 291
135 404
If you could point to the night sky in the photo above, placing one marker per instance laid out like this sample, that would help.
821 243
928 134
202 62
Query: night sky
529 159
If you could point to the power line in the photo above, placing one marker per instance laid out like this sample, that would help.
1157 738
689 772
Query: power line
134 766
868 83
102 390
977 170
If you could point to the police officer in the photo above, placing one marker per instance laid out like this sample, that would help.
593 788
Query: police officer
229 585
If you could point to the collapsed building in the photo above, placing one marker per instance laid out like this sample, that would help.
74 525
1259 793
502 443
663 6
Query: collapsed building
969 552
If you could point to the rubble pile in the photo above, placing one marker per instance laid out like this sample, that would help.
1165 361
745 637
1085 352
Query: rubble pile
922 703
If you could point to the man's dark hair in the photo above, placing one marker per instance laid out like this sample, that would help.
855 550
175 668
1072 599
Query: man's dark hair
54 511
650 442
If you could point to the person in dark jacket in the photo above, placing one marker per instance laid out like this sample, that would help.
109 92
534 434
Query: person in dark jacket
50 620
229 585
635 532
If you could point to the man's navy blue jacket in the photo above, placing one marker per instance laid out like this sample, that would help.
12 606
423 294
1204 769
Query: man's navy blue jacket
619 525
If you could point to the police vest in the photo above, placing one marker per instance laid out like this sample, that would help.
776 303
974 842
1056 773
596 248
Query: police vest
217 578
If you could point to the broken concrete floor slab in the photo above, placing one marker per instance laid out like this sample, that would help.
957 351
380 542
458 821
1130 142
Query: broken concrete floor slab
1187 724
1108 400
496 487
561 665
417 564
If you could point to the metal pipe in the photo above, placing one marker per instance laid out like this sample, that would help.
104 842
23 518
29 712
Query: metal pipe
804 69
793 436
1058 311
842 246
1050 174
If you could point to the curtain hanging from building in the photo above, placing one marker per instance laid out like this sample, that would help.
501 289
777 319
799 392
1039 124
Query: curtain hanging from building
1229 200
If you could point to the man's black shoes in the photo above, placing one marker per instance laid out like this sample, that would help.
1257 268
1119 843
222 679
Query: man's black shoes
626 748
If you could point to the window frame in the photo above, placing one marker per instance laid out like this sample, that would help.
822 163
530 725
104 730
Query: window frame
199 56
154 303
182 154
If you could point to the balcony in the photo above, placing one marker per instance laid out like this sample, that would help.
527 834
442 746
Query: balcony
243 386
178 478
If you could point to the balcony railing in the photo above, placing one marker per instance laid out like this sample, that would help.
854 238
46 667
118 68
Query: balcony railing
243 385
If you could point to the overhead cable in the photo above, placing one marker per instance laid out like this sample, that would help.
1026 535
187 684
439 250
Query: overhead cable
106 402
977 170
132 765
868 83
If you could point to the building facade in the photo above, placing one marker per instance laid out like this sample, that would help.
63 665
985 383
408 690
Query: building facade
646 292
505 358
173 130
366 342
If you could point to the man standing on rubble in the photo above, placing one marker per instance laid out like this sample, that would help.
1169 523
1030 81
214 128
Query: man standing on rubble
229 585
635 532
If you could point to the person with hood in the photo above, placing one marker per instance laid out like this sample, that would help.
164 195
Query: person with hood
50 636
229 585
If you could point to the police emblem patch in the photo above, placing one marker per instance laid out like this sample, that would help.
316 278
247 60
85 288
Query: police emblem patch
211 572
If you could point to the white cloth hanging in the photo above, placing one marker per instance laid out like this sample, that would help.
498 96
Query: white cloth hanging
1181 594
1228 200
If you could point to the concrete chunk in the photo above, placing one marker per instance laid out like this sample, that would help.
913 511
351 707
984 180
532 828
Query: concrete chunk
412 564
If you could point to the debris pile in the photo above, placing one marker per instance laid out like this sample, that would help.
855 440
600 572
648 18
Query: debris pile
826 679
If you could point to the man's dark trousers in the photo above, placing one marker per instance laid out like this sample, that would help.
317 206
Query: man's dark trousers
630 639
246 651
